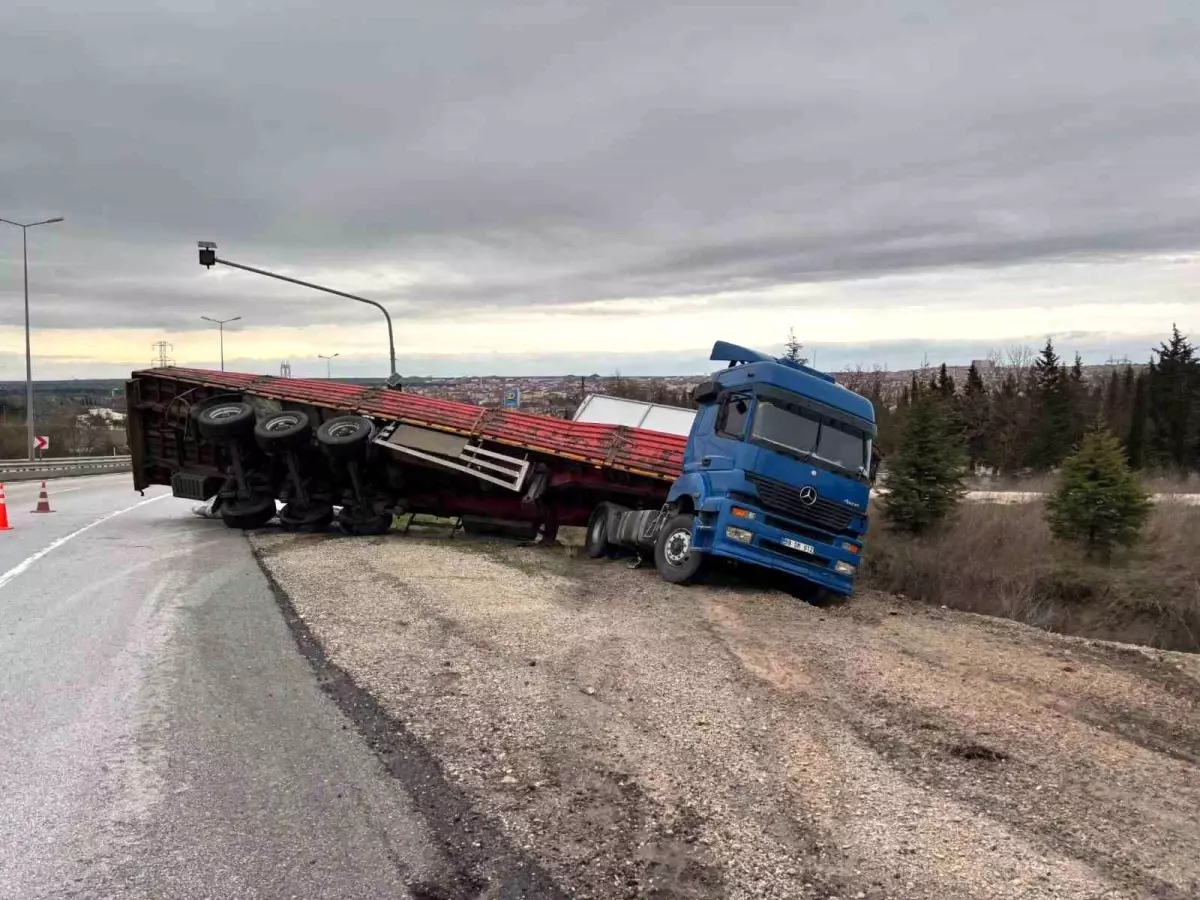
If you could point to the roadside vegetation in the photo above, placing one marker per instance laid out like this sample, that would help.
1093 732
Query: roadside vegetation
1003 560
1092 556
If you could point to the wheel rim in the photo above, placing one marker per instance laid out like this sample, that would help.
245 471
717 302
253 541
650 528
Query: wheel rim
282 423
344 430
678 547
220 413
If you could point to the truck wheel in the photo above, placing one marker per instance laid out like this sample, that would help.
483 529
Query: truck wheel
254 512
346 437
674 557
596 543
226 423
363 525
312 517
282 431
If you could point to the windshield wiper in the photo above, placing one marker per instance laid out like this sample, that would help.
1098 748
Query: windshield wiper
861 472
788 449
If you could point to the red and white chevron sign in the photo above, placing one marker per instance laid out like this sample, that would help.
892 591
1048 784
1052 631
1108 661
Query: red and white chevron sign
41 442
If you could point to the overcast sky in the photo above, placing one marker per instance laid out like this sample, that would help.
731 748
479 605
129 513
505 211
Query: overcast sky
586 187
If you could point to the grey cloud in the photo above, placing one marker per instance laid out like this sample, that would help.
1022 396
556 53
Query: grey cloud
565 153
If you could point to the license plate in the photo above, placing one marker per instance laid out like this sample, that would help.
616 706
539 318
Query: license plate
798 545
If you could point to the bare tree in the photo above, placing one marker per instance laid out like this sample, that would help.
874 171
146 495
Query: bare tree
1019 358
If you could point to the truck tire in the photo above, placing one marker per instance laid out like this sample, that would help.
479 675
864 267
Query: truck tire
254 512
674 557
363 524
595 543
226 422
346 437
287 430
311 517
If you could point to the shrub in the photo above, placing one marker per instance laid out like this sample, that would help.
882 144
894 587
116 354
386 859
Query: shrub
1099 502
924 481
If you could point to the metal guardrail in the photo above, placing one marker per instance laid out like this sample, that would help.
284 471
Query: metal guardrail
25 469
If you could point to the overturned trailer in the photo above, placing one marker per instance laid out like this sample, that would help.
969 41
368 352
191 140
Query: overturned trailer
374 452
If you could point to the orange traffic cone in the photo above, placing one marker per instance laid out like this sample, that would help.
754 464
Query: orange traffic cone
4 526
43 501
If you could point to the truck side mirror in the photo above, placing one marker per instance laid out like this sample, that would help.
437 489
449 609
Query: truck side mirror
706 392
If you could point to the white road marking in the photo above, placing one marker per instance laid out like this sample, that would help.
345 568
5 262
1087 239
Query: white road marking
50 490
29 561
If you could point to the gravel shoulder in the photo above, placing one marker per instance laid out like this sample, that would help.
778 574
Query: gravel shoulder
634 738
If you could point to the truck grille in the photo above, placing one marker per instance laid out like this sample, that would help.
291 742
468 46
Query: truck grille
777 497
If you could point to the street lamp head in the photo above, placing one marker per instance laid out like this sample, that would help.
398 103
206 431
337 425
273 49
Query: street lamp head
52 221
208 253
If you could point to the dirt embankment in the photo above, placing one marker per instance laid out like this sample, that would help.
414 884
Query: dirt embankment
640 739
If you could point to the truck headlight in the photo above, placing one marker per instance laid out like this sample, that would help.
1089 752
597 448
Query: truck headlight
747 514
741 535
843 568
849 547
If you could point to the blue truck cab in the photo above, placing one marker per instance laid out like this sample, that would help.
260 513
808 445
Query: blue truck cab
777 473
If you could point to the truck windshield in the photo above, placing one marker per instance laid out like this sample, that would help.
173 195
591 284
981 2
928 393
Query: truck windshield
811 436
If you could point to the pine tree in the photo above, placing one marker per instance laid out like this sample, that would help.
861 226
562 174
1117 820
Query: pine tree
1008 426
945 383
1099 502
1113 403
974 409
924 479
793 349
1173 401
1080 409
1135 443
1052 432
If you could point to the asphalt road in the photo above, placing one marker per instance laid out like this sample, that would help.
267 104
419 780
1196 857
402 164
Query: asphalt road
161 735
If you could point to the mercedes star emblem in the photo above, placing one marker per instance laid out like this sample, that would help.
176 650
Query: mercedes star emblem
808 495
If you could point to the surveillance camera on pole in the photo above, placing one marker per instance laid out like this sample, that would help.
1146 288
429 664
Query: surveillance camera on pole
208 253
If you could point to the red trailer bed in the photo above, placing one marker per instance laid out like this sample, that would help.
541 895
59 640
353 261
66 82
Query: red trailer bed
647 453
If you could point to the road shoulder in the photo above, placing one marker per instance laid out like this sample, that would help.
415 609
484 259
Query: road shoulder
637 737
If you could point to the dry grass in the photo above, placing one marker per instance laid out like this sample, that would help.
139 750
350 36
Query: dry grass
1000 560
1043 482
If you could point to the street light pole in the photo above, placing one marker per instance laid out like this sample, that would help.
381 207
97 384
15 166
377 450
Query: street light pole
220 323
209 258
29 436
328 364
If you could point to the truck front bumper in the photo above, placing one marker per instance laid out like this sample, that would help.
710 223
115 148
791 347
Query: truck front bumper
768 547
